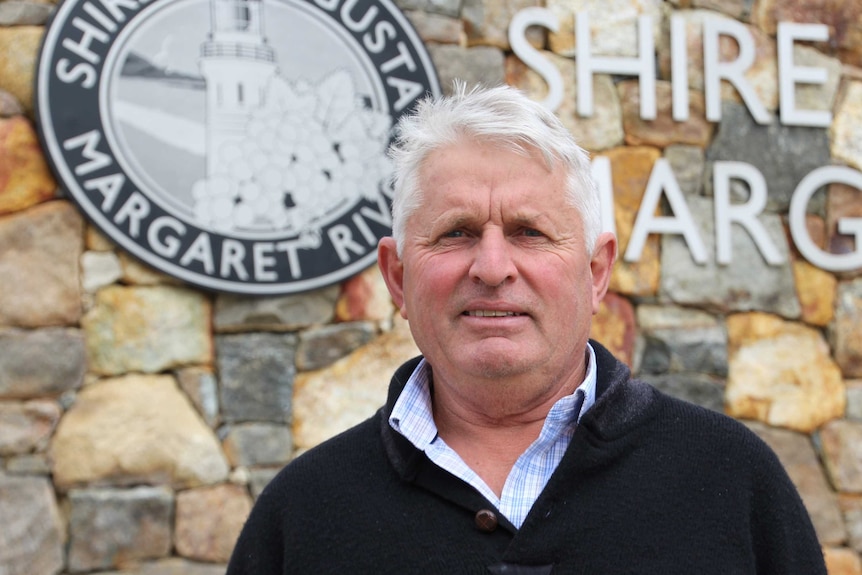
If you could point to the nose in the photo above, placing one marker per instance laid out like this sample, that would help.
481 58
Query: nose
493 259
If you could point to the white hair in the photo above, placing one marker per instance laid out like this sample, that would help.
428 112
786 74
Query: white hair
501 115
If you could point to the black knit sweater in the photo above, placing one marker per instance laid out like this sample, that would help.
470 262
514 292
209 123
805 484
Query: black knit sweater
649 485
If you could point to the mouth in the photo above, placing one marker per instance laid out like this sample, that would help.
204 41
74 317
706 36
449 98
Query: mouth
491 313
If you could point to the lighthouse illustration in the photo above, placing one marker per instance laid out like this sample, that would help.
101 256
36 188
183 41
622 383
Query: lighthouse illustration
237 65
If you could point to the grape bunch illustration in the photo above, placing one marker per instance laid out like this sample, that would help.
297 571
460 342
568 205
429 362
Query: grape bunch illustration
308 155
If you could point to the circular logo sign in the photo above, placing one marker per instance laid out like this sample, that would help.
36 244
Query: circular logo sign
239 145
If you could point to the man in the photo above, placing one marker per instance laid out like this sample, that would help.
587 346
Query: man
515 444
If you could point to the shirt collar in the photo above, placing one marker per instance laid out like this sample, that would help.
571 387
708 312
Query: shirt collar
412 415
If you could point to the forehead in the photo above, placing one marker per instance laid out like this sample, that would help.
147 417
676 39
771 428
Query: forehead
470 174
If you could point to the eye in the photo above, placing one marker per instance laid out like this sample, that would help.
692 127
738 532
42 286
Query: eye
532 233
454 234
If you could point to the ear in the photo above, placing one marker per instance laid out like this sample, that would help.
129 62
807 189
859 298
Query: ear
601 266
392 270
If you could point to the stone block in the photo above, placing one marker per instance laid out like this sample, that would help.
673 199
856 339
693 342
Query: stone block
776 368
250 444
256 374
25 179
209 520
32 540
147 329
41 362
109 528
235 313
39 252
320 346
135 429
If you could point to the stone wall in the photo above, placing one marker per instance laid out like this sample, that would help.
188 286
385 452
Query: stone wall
139 418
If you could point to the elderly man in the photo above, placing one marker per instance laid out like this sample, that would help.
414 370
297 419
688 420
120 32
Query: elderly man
515 444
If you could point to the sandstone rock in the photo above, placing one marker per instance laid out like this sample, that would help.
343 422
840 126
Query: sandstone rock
249 444
173 566
797 454
487 21
26 426
113 527
775 368
842 451
846 125
842 204
436 28
120 328
39 252
41 362
209 520
844 20
256 375
845 331
99 269
602 130
816 290
350 390
282 313
364 297
631 167
613 25
19 49
479 65
841 561
663 130
32 540
135 429
319 347
25 179
137 273
614 327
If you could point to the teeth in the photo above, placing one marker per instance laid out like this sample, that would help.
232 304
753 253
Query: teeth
490 313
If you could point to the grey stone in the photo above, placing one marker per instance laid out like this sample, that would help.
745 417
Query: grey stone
319 347
23 13
854 401
202 388
797 454
258 444
259 478
284 313
783 154
256 372
731 287
482 65
687 163
444 7
41 362
701 350
173 566
108 526
32 531
700 389
29 464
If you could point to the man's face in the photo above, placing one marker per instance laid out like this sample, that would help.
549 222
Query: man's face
495 278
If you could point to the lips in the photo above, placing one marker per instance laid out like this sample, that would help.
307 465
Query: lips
491 313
